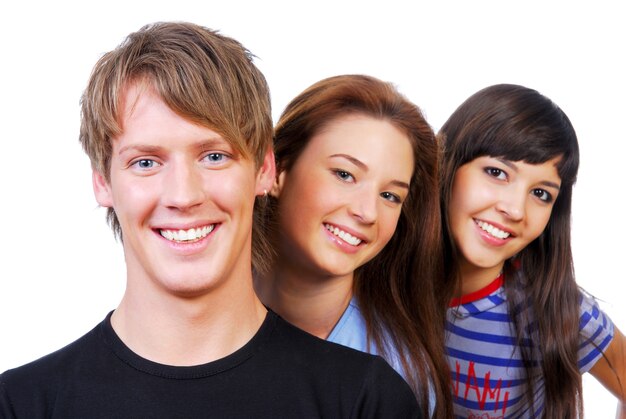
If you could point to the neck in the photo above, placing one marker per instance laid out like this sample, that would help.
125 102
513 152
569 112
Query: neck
474 278
185 331
313 303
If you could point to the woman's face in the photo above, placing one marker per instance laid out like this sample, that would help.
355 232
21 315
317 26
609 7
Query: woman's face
340 202
497 208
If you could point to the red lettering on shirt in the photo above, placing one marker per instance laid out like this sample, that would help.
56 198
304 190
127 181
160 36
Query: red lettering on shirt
484 394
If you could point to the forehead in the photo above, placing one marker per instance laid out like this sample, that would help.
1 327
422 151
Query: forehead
371 138
147 121
143 112
138 98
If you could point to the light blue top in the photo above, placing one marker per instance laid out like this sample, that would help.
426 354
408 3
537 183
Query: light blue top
350 331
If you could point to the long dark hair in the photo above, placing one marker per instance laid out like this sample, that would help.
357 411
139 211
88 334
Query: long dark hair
520 124
396 289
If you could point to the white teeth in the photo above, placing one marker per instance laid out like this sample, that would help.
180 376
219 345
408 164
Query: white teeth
346 237
494 231
192 234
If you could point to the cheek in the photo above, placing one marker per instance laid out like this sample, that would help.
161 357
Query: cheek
304 196
132 198
471 197
461 188
539 221
388 224
230 189
462 207
460 202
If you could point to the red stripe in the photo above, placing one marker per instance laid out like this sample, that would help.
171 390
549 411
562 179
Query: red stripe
477 295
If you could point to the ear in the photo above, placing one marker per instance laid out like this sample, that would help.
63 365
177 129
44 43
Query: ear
267 173
277 186
101 189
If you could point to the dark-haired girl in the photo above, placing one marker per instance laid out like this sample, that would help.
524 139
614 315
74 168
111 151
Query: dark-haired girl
520 332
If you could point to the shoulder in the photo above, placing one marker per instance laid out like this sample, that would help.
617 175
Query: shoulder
592 318
351 330
376 388
302 343
40 378
55 361
596 332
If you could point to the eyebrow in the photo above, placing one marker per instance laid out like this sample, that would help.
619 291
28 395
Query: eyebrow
512 165
364 167
144 148
151 149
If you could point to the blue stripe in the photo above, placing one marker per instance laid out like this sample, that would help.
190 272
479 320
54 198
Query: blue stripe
481 337
471 308
489 316
488 406
463 380
595 352
485 337
593 338
496 299
480 359
586 317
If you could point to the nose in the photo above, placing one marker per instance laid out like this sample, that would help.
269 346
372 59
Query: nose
363 206
182 187
512 204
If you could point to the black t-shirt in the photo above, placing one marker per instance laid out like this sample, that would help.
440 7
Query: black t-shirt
282 372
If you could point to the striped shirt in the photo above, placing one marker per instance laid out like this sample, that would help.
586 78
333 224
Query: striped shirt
485 361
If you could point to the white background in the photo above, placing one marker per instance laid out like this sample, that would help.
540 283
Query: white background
61 270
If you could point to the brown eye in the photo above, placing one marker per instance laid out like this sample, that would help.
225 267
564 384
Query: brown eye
542 195
496 173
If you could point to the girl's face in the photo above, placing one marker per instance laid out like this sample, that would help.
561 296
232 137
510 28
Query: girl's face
340 202
497 208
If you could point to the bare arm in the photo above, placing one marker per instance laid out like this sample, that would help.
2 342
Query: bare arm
610 371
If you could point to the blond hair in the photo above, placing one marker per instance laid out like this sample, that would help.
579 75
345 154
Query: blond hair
203 76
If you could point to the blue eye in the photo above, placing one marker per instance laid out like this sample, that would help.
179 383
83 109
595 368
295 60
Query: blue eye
343 175
542 194
215 157
145 164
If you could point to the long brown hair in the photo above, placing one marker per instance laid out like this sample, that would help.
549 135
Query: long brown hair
396 289
520 124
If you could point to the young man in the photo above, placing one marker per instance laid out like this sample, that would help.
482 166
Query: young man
176 122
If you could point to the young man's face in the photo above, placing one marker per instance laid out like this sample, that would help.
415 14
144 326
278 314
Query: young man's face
183 197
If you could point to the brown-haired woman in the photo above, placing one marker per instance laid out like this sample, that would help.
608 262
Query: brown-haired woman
355 223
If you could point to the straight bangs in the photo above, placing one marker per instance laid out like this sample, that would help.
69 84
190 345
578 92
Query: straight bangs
514 123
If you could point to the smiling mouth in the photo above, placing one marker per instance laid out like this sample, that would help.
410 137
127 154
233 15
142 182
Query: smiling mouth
494 231
187 236
346 237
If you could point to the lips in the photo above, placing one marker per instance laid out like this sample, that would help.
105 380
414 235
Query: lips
343 235
493 230
187 236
